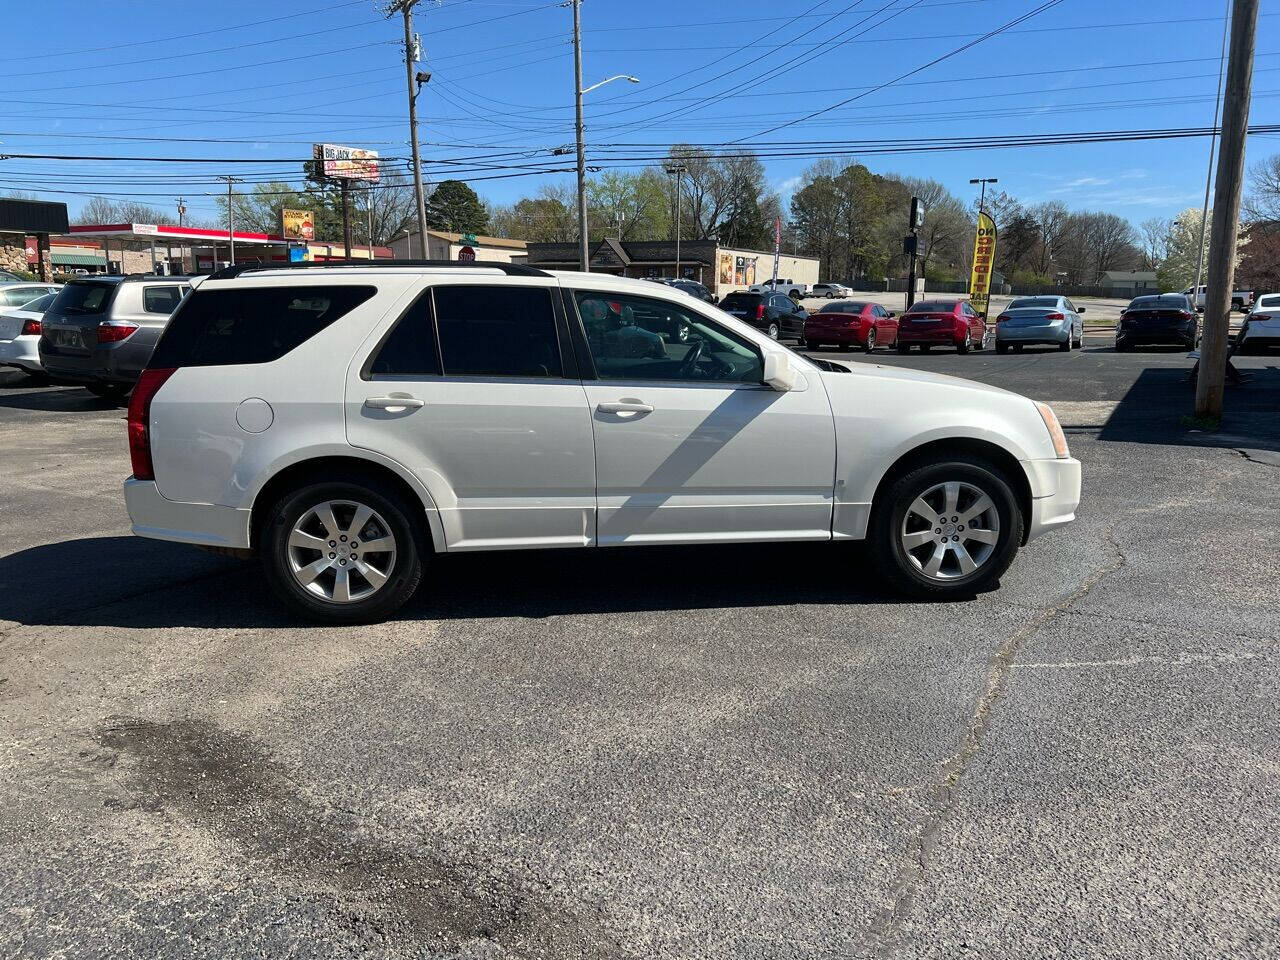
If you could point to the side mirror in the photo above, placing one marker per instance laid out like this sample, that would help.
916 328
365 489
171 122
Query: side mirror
779 373
891 313
1080 309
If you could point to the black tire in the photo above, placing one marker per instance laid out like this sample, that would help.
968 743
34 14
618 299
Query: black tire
1017 348
1001 347
115 392
926 347
774 331
904 347
35 378
890 509
804 344
1065 346
405 573
870 345
1122 347
966 345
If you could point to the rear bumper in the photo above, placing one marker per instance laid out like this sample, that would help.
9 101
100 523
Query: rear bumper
116 363
1050 333
1170 334
1055 488
941 336
834 334
21 352
205 524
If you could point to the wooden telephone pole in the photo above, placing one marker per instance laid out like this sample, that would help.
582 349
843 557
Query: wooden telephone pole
1226 210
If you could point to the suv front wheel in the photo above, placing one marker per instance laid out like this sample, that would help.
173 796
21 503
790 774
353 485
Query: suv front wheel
947 530
341 552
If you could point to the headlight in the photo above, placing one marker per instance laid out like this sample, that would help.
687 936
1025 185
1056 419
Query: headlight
1055 430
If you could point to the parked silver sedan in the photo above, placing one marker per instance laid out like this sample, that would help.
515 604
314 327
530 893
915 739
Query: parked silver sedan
1052 320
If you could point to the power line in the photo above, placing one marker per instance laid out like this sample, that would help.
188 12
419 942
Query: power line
1048 4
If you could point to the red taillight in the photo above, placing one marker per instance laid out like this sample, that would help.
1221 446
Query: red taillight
139 420
1002 318
759 311
1054 316
115 331
30 328
1185 314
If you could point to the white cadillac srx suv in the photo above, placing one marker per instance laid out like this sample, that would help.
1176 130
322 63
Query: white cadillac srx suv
347 422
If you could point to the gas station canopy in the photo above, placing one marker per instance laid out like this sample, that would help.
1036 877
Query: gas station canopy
174 232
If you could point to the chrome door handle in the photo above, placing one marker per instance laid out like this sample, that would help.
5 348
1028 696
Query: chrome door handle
625 406
394 403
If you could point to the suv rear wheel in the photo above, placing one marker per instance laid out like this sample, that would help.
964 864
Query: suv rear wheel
341 552
947 529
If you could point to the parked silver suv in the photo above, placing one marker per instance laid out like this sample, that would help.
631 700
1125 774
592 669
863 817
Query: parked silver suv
100 331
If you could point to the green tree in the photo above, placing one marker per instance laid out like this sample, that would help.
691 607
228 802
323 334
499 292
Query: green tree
455 207
630 206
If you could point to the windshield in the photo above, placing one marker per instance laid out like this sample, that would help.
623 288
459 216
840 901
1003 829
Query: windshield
740 300
843 306
1033 302
933 306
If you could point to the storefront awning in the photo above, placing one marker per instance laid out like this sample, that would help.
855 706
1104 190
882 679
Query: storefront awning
78 259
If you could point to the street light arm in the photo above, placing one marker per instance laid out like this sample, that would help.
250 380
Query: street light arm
621 76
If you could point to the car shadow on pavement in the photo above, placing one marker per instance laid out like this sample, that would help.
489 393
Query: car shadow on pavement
148 584
30 396
1158 408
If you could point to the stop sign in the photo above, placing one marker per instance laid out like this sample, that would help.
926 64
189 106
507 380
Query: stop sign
467 253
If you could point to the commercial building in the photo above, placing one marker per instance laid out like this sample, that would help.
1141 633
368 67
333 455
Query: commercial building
179 249
721 269
25 227
443 245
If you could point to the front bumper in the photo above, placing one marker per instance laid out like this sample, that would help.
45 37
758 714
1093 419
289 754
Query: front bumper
22 352
204 524
1055 486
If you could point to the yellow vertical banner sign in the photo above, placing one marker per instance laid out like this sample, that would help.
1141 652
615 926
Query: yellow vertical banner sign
984 258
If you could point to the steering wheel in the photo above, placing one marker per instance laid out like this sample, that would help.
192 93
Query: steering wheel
689 366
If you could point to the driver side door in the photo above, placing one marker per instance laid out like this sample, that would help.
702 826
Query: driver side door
690 446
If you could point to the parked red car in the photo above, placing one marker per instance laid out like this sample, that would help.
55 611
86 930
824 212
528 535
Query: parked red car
848 322
942 323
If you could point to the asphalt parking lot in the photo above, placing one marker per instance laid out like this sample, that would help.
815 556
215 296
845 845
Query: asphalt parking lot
748 752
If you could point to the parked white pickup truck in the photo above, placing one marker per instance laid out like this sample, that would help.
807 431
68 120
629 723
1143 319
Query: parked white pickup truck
796 291
1241 300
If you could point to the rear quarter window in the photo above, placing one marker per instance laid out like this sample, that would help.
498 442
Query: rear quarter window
251 324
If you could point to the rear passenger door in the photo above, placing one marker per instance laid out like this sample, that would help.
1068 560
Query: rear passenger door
474 388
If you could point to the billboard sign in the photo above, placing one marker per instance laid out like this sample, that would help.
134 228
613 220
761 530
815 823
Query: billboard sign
297 225
346 163
984 258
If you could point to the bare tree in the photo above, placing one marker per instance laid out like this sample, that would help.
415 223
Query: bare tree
1052 216
1155 237
1263 202
1112 239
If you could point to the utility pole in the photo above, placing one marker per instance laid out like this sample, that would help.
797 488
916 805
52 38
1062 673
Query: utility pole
345 186
1208 173
584 254
1226 209
231 236
182 210
678 169
412 54
911 247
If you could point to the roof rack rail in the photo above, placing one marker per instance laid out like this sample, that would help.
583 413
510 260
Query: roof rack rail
510 269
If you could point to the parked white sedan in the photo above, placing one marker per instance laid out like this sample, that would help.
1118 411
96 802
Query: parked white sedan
348 422
20 335
1260 332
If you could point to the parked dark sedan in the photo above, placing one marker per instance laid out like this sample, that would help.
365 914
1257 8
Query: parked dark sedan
774 313
1164 318
691 287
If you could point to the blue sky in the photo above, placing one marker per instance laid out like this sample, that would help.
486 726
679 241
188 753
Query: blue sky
221 83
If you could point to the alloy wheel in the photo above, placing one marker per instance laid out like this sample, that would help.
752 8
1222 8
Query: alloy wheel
341 551
871 340
773 331
950 531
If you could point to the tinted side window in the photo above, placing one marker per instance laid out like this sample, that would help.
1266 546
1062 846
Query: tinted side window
634 338
161 299
490 331
251 325
410 349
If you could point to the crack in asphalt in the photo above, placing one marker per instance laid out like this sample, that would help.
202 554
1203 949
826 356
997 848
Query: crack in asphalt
943 791
417 901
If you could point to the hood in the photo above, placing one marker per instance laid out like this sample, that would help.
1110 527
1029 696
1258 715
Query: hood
907 376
